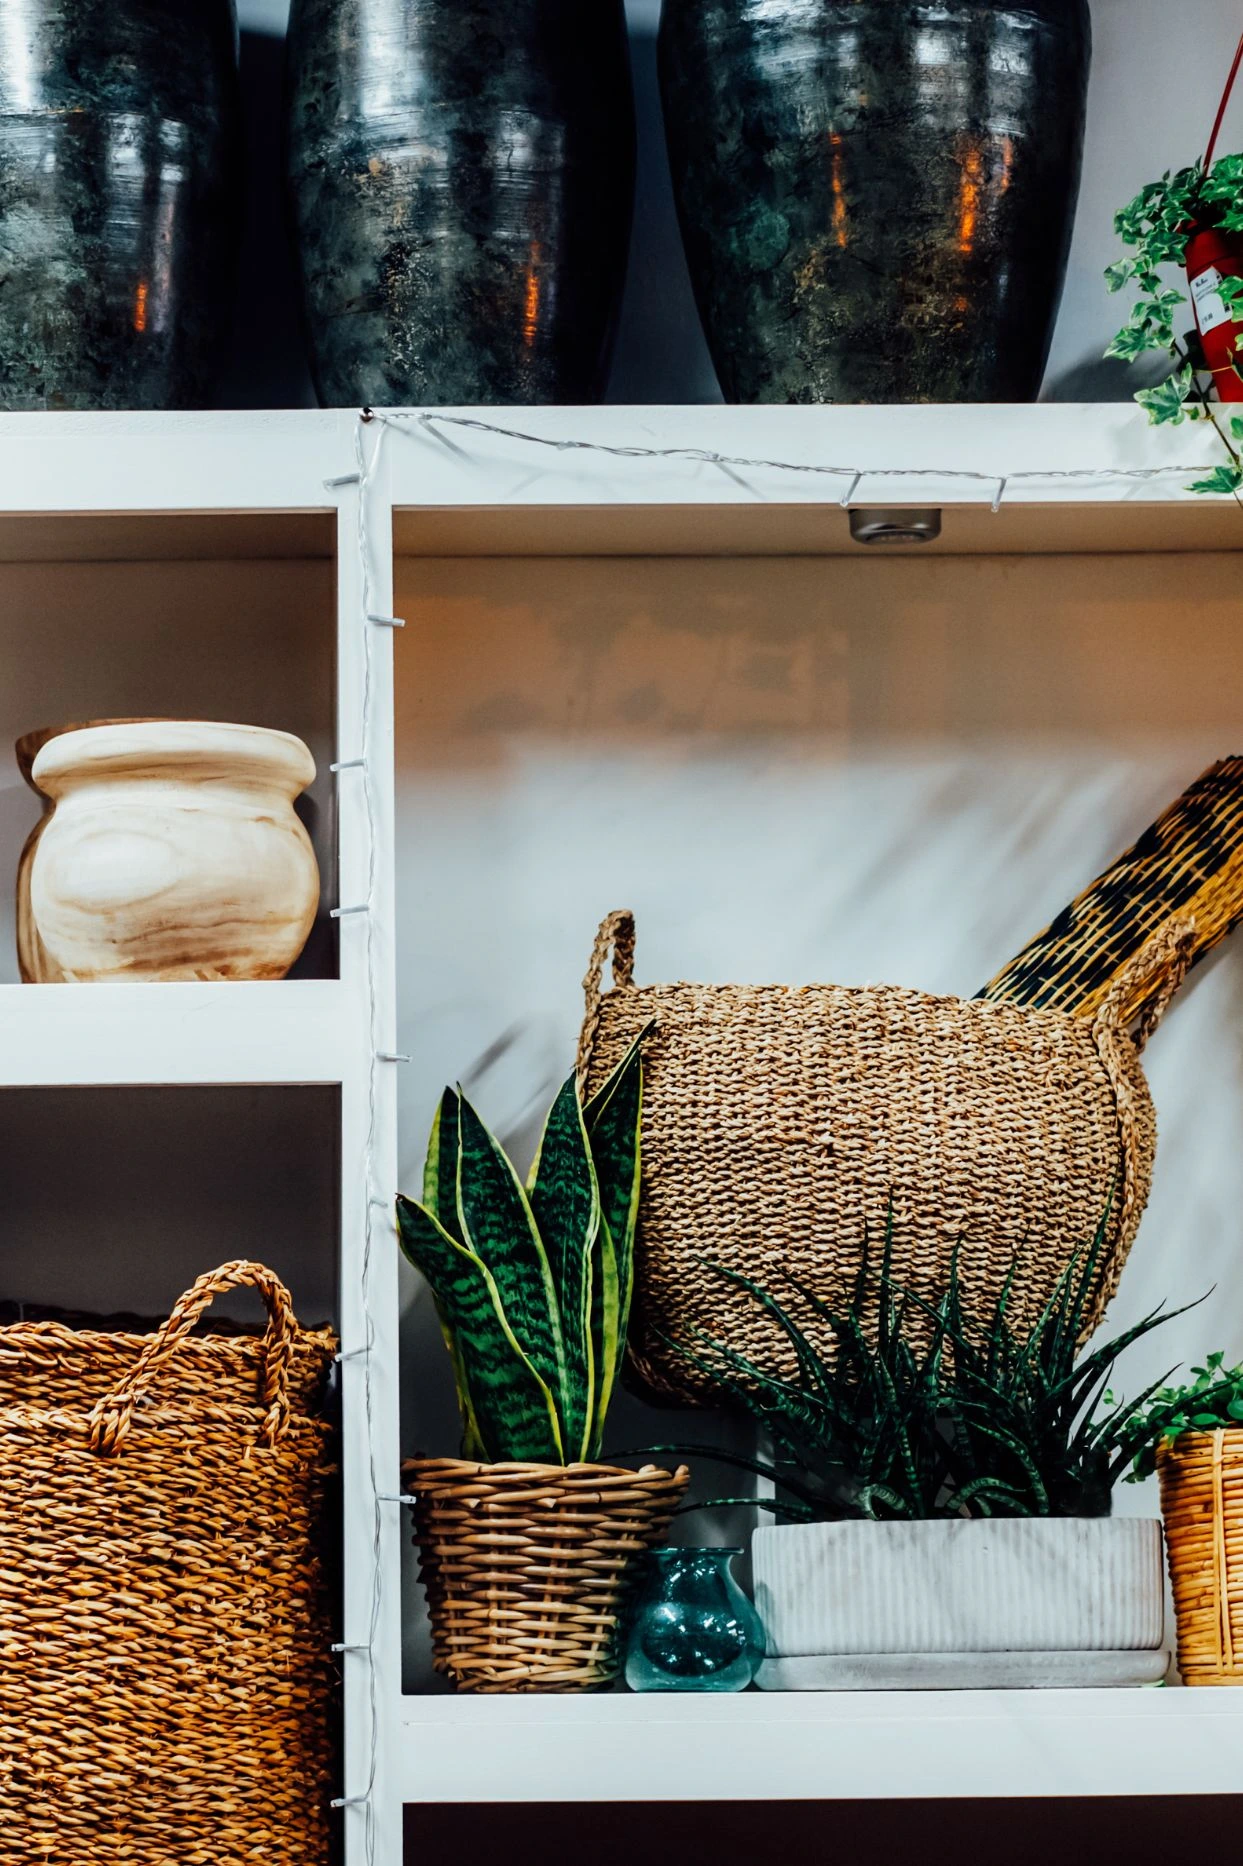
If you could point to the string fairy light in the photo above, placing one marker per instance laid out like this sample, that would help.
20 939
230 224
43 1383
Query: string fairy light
367 460
433 424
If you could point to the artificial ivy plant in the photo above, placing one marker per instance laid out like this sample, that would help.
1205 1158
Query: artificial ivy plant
1211 1401
533 1281
1157 226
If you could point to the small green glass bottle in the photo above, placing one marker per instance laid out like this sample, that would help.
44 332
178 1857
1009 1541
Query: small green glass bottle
695 1629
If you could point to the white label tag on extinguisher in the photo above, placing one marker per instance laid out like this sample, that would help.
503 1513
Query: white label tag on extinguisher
1210 308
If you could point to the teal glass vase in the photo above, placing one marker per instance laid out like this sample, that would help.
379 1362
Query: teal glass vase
695 1629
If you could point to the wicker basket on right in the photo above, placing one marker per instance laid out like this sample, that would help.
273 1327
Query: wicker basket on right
1202 1502
783 1126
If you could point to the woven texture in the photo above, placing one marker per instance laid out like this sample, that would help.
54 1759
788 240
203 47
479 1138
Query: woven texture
1188 866
165 1679
530 1569
1202 1503
779 1124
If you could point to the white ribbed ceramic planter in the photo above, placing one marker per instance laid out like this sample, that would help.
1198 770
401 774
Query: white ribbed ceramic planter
1032 1585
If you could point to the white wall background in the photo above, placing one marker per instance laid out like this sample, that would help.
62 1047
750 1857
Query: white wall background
1157 74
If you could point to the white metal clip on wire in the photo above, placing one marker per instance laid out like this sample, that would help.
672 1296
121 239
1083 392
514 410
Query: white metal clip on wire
348 764
342 479
342 913
387 621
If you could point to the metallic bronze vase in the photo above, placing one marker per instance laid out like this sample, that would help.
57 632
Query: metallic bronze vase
461 176
119 204
876 196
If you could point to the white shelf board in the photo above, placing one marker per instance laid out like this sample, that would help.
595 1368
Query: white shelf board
270 461
282 1032
822 1746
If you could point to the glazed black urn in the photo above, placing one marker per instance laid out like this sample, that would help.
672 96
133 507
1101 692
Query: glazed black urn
876 196
119 202
461 175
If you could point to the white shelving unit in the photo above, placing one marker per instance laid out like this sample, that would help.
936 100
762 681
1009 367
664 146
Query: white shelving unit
158 563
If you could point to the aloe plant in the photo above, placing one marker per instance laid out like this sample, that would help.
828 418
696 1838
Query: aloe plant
533 1282
979 1421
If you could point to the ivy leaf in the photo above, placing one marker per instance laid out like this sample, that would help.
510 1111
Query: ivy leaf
1166 402
1223 479
1135 340
1117 275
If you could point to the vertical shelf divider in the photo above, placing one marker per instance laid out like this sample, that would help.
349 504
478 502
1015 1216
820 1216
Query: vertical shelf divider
368 1296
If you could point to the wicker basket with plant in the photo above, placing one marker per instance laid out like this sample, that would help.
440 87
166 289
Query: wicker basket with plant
529 1546
1195 1443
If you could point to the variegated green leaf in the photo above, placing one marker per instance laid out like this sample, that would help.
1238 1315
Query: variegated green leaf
614 1125
510 1411
606 1334
566 1203
499 1226
440 1171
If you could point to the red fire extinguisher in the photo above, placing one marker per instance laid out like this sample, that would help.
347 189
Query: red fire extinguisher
1212 257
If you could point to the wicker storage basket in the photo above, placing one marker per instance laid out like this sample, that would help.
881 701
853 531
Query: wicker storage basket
779 1124
530 1568
165 1678
1202 1503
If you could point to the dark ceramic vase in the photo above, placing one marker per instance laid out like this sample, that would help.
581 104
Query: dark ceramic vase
876 196
119 206
461 176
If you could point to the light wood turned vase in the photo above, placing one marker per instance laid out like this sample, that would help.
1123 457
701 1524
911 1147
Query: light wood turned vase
172 852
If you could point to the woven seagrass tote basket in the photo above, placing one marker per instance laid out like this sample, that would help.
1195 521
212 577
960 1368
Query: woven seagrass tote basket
166 1684
782 1125
530 1569
1202 1502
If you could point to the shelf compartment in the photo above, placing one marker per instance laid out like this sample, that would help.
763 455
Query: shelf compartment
252 640
115 1200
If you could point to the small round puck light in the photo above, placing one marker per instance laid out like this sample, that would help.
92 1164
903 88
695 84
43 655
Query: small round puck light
894 524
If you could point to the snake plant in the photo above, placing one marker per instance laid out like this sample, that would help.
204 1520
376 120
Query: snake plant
532 1282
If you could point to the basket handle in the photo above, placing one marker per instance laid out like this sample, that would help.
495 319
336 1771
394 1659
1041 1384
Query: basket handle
616 940
1163 961
113 1415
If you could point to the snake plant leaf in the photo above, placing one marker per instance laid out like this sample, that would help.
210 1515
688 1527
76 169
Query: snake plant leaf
607 1339
511 1412
440 1172
614 1121
565 1200
499 1226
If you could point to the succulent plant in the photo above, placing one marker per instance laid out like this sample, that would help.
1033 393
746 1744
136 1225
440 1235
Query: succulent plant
981 1422
532 1282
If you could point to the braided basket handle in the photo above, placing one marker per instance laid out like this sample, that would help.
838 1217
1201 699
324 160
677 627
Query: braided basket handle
615 940
1162 962
113 1415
